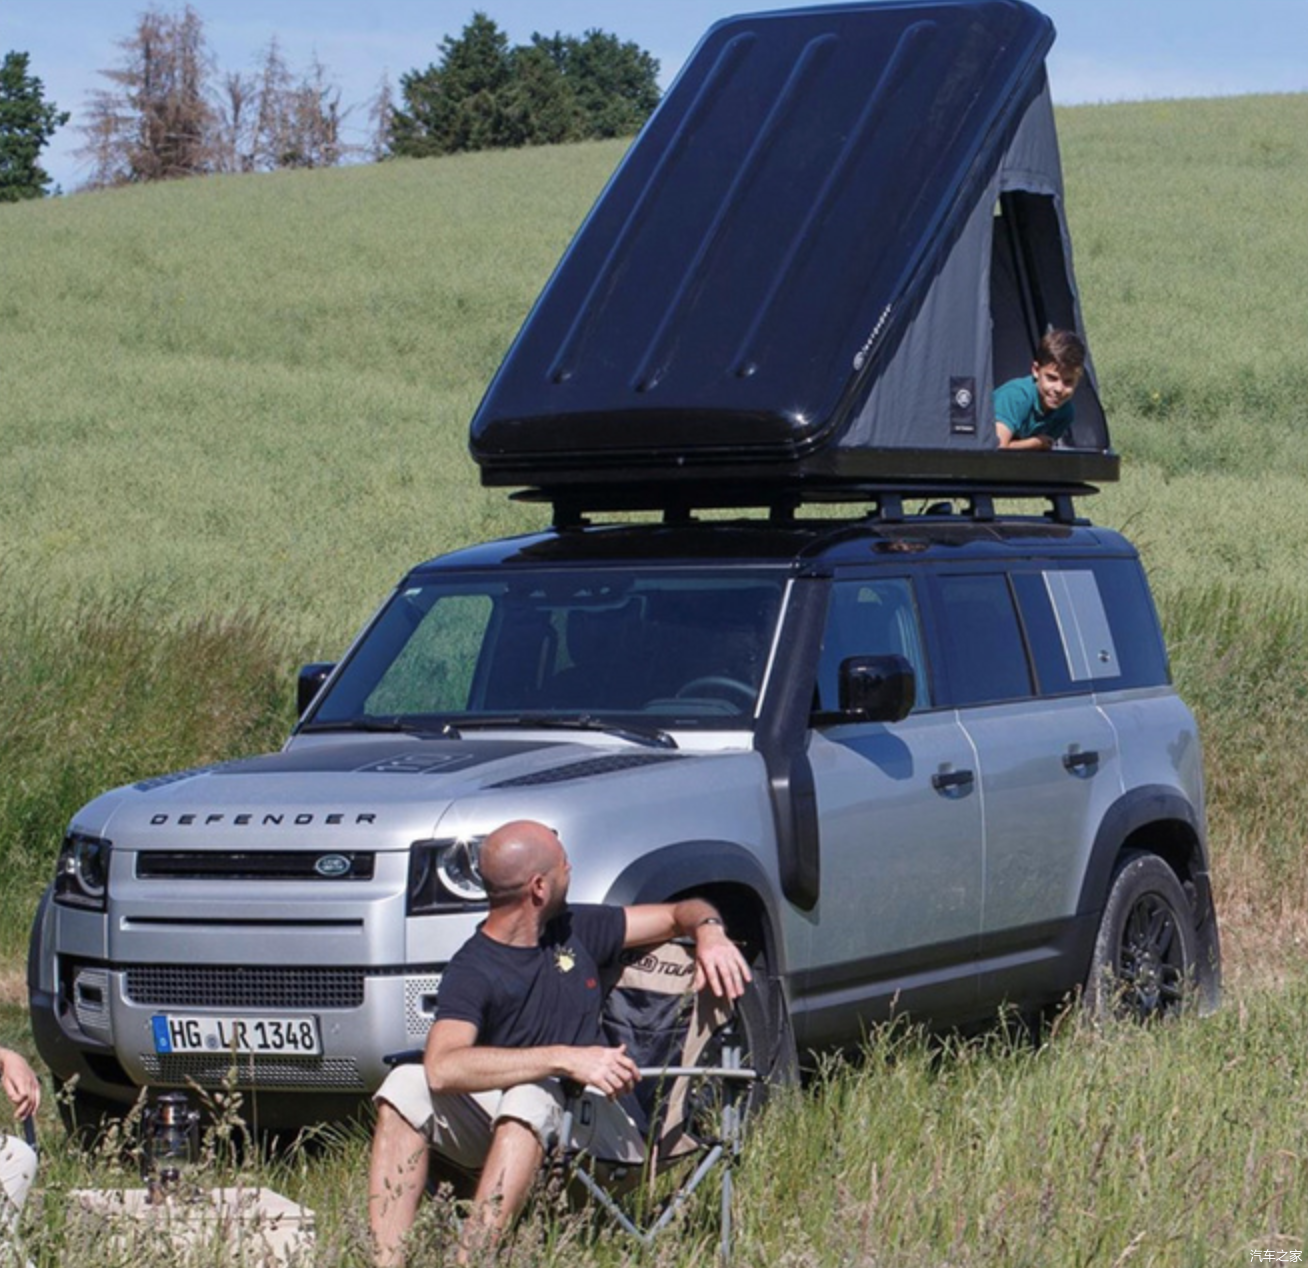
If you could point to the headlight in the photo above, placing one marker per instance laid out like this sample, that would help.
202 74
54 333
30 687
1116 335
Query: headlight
82 873
443 876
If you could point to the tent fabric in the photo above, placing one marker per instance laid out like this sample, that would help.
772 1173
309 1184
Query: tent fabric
975 329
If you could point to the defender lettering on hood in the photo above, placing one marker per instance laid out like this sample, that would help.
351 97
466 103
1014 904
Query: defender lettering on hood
268 820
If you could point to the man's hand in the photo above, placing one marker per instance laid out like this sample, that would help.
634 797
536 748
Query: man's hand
21 1085
609 1070
718 963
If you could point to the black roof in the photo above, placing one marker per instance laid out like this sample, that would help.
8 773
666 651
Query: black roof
802 542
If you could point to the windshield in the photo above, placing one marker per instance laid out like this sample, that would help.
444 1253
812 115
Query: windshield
675 648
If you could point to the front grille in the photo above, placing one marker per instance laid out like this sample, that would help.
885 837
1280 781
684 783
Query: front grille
260 865
583 770
232 987
180 1069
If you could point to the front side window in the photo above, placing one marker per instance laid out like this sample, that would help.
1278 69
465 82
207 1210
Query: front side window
870 618
678 647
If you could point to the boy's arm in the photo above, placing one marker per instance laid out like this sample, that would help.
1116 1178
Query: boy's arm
1006 441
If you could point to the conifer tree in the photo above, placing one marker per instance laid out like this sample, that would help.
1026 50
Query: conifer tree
27 122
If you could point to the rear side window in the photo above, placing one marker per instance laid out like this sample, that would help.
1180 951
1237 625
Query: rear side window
1091 627
985 653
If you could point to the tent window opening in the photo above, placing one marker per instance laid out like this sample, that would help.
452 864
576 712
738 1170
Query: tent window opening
1030 292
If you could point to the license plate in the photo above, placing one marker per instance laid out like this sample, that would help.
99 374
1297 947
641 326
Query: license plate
246 1036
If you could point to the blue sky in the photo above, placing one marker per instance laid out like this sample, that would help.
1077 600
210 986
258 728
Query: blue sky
1107 50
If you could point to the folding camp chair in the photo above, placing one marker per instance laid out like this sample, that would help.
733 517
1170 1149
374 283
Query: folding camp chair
690 1103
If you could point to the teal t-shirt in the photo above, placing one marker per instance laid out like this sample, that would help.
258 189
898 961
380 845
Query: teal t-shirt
1017 406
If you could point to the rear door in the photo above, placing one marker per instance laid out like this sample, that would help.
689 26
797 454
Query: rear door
1024 649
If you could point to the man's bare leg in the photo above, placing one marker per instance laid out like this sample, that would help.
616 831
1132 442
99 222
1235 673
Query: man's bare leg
511 1165
397 1176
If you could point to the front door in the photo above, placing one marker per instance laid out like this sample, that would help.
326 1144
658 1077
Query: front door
896 925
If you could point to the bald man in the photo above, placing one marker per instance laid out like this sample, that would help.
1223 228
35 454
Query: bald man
518 1012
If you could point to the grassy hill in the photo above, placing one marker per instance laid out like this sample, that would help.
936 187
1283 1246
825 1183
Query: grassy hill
238 391
234 410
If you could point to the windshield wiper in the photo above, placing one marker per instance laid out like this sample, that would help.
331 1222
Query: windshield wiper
385 726
651 737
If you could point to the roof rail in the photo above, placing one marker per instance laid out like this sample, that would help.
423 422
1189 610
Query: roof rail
884 501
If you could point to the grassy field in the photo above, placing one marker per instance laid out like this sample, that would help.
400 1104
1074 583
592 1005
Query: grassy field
235 410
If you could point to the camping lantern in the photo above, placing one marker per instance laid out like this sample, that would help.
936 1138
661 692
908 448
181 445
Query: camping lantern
170 1146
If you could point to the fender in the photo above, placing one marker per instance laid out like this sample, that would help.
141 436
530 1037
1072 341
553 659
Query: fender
687 865
1140 807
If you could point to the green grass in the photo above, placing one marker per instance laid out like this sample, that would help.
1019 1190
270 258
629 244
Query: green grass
235 410
237 392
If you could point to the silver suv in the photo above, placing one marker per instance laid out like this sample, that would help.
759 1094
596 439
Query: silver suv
931 764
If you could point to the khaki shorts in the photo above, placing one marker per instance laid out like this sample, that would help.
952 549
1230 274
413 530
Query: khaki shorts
458 1125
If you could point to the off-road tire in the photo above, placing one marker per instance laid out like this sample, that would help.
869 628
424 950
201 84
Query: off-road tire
1143 965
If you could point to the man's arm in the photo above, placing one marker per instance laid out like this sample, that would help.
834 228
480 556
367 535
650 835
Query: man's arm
718 962
455 1063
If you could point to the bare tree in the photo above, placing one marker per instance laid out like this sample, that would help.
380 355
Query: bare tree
298 123
161 118
157 122
235 141
381 115
317 114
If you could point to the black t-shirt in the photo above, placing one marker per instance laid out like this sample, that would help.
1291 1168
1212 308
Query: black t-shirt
528 997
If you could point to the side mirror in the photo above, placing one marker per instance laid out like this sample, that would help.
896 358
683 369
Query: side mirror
308 684
877 688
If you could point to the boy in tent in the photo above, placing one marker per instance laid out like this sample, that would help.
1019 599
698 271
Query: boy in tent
1033 412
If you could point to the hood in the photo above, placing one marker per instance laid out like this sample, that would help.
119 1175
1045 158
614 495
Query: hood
340 791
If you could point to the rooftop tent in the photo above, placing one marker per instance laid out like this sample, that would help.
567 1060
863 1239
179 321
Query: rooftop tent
842 226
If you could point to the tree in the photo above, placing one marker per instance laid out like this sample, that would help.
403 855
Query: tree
237 104
615 83
381 119
158 123
296 124
163 119
537 106
483 94
27 122
455 105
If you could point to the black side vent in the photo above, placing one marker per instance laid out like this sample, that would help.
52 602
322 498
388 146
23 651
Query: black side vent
584 770
272 865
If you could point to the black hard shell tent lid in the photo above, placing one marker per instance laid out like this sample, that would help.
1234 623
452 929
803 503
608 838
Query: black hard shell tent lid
842 227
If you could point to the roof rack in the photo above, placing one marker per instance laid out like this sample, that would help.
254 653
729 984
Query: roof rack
782 501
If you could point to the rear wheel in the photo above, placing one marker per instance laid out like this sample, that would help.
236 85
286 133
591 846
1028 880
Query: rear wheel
1143 967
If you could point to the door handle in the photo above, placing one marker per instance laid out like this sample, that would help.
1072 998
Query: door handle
946 781
1081 761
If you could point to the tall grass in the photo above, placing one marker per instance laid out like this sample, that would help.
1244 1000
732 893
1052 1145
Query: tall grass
107 695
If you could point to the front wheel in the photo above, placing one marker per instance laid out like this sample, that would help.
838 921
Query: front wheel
1143 966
